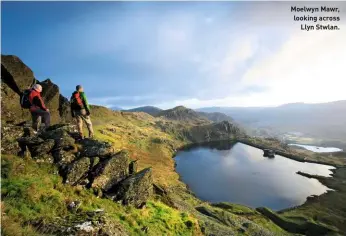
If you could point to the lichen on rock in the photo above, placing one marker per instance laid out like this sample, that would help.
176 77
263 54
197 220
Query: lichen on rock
135 190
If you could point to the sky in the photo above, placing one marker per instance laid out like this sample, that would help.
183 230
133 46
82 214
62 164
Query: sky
196 54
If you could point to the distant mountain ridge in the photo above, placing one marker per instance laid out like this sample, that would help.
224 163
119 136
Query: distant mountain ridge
151 110
183 113
320 120
216 116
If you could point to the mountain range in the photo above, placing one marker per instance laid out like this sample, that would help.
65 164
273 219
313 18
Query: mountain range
183 113
321 120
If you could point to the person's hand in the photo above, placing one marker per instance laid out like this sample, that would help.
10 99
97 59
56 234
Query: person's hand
47 109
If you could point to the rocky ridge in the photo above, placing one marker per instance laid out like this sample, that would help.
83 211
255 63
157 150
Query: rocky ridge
89 163
15 78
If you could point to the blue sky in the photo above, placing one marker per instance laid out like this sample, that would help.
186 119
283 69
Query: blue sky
196 54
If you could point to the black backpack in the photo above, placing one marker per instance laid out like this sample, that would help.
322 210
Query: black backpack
24 99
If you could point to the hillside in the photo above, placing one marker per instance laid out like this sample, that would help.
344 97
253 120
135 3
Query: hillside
325 121
216 116
147 109
181 113
90 187
155 111
124 182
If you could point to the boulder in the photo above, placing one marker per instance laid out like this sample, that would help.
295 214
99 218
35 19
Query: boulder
55 134
135 190
64 109
50 93
16 74
110 171
9 135
76 171
133 167
70 128
61 135
15 78
62 157
94 148
42 149
65 143
30 141
39 149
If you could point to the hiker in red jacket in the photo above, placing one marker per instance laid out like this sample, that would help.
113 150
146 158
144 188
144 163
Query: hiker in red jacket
38 109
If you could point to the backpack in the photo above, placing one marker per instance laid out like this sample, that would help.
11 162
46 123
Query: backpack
76 102
24 99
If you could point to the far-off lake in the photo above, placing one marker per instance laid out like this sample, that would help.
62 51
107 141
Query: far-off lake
239 173
317 148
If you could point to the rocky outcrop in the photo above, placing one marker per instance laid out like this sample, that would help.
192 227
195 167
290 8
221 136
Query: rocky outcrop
9 134
94 148
15 78
134 190
214 132
89 163
76 171
112 169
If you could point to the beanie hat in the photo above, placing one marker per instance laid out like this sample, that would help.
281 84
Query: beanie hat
37 87
78 87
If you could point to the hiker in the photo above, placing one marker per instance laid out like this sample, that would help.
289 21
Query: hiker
80 110
37 108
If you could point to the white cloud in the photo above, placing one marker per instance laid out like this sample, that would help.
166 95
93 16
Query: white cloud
239 51
210 55
309 67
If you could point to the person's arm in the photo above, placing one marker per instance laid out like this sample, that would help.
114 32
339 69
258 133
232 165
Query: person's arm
37 101
85 101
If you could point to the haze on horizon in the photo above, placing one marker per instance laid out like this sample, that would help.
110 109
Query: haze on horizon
196 54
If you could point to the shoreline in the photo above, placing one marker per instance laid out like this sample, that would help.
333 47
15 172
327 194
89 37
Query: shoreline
290 156
281 153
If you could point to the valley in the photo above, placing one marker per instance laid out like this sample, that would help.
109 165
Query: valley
35 200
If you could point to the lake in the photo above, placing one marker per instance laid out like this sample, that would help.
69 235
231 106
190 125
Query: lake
239 173
317 149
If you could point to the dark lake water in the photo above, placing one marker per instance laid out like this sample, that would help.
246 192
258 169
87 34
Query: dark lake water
240 174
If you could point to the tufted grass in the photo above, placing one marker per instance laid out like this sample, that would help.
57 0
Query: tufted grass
31 191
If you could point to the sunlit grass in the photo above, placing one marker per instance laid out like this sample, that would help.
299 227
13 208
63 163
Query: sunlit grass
31 191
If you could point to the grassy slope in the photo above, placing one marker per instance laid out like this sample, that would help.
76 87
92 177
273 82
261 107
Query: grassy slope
328 208
138 133
31 190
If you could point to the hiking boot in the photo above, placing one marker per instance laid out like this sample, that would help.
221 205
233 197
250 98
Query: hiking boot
80 137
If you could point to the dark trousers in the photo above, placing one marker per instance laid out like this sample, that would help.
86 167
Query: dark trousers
36 115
